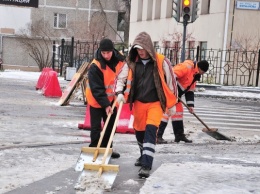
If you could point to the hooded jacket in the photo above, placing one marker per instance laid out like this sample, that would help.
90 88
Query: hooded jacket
161 80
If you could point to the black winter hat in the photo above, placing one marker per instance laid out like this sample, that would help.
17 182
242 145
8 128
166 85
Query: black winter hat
203 65
106 45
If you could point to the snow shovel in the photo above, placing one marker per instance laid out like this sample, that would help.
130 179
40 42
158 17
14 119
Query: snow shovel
89 154
213 132
105 171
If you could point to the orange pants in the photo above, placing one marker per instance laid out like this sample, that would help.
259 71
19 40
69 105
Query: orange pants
178 116
146 113
177 121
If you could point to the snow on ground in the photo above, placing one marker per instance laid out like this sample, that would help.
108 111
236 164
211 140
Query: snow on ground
189 176
232 179
235 91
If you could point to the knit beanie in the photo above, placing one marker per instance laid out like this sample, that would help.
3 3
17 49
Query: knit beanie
203 65
106 45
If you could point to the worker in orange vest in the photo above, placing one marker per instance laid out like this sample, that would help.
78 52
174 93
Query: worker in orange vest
147 83
99 90
187 74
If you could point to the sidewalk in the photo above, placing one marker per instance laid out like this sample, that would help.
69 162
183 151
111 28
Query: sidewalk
218 91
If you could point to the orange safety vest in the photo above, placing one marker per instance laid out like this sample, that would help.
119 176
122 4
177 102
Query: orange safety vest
109 78
185 73
171 99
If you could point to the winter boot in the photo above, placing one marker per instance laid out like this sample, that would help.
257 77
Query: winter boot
144 172
138 161
181 137
160 140
161 129
115 155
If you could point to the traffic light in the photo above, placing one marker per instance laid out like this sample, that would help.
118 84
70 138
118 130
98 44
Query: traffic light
186 10
195 10
176 7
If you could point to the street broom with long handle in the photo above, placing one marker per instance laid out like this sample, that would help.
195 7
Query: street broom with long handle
213 132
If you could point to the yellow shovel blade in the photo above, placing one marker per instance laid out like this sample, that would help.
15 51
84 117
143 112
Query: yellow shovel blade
102 174
87 154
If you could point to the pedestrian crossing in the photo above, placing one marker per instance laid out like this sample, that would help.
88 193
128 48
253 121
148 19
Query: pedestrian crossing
226 115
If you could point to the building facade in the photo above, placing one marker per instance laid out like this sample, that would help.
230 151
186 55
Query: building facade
221 24
227 33
85 20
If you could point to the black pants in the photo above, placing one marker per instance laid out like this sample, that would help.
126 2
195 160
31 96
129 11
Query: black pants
177 126
146 141
96 116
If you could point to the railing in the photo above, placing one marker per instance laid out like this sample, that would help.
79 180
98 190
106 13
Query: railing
227 67
81 52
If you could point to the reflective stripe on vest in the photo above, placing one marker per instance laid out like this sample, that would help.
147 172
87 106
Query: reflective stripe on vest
171 99
109 80
128 84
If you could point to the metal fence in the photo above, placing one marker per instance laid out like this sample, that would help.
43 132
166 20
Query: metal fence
227 67
74 54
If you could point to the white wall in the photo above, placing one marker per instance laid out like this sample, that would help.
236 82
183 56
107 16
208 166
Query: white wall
208 27
14 17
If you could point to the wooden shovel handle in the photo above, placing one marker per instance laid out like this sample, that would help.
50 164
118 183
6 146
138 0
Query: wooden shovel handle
194 114
111 136
103 132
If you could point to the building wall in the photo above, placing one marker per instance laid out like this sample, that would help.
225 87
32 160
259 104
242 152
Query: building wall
246 25
208 28
79 15
14 55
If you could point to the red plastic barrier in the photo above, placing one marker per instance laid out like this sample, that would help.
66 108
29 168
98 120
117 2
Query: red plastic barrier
42 79
122 126
52 86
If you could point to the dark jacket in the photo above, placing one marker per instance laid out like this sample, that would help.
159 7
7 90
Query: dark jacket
96 78
144 40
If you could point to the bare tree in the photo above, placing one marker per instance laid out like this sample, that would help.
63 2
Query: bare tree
37 37
101 25
37 42
172 44
247 45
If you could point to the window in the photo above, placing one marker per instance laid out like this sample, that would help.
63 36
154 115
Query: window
157 9
205 6
176 45
167 44
139 10
191 49
149 10
60 20
203 50
156 46
121 21
167 50
176 50
169 9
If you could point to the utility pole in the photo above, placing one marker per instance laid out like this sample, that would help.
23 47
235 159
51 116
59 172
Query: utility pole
183 40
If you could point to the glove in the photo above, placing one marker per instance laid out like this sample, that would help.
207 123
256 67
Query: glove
197 77
172 110
180 92
120 98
